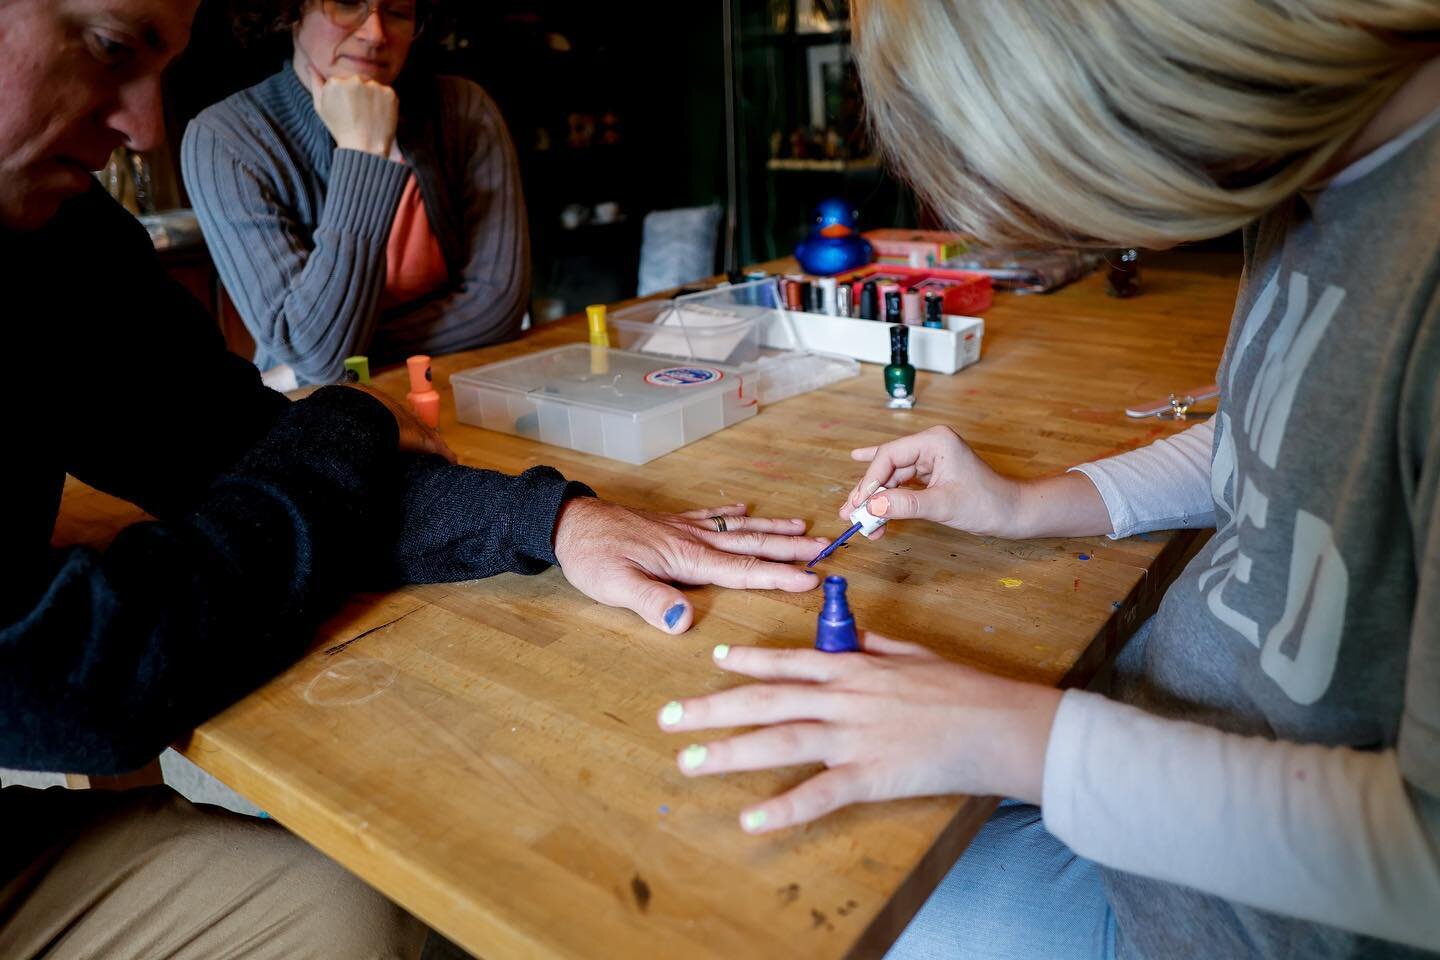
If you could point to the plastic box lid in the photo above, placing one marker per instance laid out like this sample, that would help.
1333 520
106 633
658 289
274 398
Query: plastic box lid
634 384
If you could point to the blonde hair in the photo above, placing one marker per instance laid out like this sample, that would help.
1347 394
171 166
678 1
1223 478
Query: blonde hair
1135 122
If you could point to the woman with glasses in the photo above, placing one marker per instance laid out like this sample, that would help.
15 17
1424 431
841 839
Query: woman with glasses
354 208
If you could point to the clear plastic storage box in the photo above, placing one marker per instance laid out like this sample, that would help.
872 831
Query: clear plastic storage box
677 371
634 410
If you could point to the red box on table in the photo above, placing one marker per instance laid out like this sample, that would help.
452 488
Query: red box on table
966 294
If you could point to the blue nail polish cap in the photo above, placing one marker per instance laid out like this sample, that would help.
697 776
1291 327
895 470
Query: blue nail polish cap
835 633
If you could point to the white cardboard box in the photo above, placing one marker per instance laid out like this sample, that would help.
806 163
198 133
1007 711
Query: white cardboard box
939 351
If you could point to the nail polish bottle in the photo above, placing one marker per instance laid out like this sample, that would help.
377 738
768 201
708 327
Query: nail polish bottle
423 397
1123 280
910 310
900 376
599 339
869 301
790 290
892 306
357 370
934 311
835 633
827 288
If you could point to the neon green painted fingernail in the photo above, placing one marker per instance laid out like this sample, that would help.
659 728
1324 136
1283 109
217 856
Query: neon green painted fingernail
671 713
692 756
722 650
753 820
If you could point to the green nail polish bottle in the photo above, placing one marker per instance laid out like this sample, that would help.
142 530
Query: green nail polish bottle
900 376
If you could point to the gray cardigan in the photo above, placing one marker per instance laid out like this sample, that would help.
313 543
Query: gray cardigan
298 228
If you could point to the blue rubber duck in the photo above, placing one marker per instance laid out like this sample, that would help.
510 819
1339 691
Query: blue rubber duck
832 246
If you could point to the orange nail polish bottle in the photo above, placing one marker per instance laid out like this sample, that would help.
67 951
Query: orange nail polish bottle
424 399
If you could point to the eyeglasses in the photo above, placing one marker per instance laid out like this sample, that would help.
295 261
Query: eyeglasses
400 15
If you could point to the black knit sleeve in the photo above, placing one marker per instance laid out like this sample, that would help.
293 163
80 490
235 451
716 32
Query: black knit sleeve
125 649
459 523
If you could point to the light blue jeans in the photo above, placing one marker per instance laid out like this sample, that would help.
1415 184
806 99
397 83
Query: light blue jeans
1016 894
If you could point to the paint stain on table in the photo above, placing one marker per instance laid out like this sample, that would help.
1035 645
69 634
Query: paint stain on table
641 890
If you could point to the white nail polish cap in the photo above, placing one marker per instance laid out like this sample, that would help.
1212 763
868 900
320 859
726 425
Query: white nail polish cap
869 523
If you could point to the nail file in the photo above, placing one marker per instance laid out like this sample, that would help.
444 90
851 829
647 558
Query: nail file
1189 397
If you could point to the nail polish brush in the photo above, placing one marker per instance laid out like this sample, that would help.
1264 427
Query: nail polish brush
863 522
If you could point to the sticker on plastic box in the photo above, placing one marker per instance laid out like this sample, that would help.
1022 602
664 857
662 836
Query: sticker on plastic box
684 376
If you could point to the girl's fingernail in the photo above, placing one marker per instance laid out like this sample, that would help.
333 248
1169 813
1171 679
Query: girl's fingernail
671 713
879 505
721 651
752 820
673 615
692 756
871 487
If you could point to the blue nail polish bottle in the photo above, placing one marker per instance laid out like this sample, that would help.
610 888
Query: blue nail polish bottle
835 633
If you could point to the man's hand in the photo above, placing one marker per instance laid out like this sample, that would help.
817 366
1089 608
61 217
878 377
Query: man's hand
416 436
631 558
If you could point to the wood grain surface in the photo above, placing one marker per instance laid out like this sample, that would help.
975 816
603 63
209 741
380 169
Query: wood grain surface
486 753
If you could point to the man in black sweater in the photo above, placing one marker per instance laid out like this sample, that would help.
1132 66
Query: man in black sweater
269 512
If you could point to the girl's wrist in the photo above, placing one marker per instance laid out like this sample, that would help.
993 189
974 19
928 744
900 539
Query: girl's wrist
1067 505
1022 741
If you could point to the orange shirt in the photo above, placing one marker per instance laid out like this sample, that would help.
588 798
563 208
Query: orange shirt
414 262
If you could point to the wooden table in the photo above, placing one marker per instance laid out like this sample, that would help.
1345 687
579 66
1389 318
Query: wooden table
486 753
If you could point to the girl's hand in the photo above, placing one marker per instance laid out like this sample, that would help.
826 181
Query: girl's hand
893 721
961 490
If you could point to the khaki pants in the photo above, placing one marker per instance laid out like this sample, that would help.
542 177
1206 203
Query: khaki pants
145 874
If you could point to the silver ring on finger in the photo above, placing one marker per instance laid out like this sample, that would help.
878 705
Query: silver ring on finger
719 523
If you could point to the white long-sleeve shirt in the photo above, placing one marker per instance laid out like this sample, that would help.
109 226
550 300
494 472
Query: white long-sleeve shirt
1334 835
1274 764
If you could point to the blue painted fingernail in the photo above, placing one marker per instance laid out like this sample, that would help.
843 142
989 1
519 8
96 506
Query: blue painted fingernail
673 615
